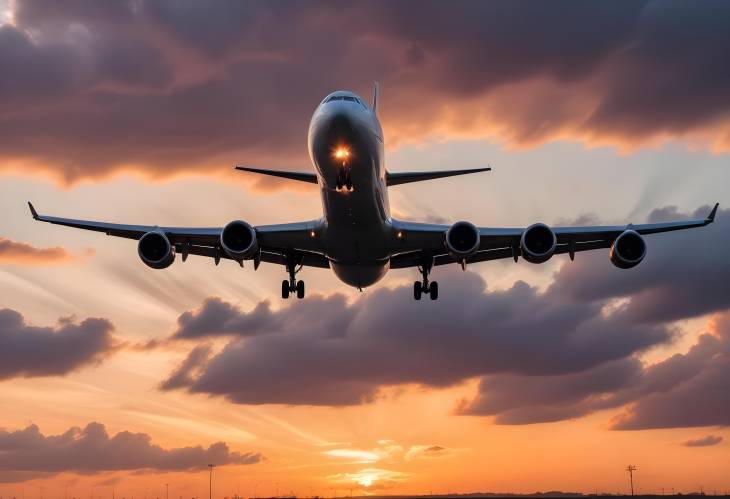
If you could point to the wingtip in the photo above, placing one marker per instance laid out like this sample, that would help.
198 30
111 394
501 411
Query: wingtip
32 211
711 216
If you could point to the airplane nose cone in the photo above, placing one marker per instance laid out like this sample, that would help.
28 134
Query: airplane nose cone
340 123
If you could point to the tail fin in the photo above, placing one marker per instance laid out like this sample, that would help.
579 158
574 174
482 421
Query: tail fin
376 91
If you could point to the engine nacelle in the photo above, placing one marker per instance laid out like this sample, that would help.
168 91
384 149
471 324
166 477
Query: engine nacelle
238 239
538 243
155 250
462 240
628 250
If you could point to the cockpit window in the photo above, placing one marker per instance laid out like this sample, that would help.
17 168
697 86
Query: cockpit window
343 97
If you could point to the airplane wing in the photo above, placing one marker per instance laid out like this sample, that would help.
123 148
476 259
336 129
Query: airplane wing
300 176
408 177
274 240
497 243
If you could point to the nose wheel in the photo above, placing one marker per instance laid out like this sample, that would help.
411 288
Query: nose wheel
293 266
344 179
424 286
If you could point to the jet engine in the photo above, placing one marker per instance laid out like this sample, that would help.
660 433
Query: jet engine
155 250
628 250
462 240
238 239
538 243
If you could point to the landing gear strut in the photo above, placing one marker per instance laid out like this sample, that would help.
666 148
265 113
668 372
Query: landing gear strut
293 266
344 180
420 287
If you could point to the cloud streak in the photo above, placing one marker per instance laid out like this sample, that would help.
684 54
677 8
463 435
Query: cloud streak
707 441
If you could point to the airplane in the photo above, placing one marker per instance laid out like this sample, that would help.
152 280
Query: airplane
357 237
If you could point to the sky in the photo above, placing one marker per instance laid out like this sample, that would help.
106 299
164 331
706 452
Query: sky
117 380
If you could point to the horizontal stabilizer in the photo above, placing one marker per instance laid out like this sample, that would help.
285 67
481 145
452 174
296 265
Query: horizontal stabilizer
408 177
300 176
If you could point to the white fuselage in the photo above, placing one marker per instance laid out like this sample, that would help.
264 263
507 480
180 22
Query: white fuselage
345 135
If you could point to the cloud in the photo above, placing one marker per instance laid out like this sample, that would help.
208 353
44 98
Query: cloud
427 452
217 317
183 375
542 356
372 478
28 351
160 86
681 391
707 441
696 285
686 390
92 450
18 253
386 338
386 450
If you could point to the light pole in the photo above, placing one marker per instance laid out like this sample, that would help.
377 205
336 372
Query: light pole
210 484
631 468
167 491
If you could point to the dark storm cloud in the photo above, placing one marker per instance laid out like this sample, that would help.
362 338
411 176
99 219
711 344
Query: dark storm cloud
92 450
707 441
28 351
685 274
166 86
340 354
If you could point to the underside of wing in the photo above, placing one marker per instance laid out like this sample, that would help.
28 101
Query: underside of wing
300 176
408 177
266 243
422 244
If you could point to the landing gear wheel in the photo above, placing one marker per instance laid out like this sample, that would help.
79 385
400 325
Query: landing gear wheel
433 290
285 289
417 290
300 289
348 181
340 178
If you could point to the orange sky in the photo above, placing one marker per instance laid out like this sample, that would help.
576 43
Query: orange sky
148 133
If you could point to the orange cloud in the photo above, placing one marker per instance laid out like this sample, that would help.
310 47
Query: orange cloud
18 253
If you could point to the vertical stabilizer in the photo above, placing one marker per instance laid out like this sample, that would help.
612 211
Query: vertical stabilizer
375 97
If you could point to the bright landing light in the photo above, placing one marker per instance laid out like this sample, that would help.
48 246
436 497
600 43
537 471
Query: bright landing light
342 153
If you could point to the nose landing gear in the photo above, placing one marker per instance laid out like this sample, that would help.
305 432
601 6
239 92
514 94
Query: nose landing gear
424 286
293 266
344 180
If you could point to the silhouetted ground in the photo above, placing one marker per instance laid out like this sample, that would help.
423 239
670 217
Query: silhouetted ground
490 495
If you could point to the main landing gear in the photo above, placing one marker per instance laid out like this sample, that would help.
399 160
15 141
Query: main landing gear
420 287
293 266
344 179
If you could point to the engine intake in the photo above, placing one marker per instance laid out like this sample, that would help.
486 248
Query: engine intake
628 250
538 243
238 239
462 240
155 250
